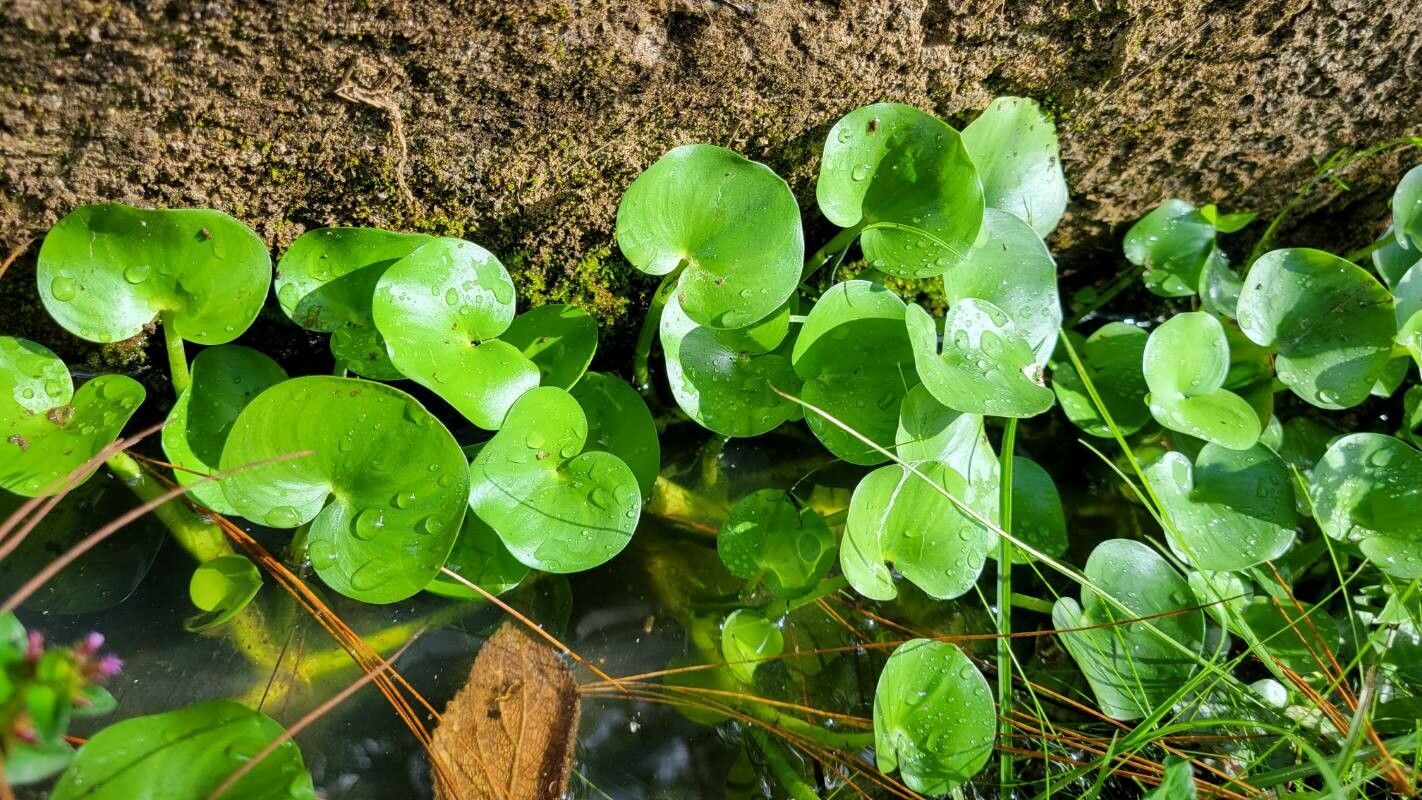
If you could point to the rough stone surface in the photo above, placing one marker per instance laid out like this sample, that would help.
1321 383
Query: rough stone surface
519 124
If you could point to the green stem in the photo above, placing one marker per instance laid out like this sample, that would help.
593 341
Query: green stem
642 358
779 762
1004 602
1363 252
177 356
1027 602
196 534
834 247
1117 285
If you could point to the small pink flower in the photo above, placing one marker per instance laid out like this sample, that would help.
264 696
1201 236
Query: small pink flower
34 647
90 645
108 667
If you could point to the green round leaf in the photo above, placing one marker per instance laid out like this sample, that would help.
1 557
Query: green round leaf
107 270
186 753
905 178
556 508
384 488
1014 147
729 223
620 423
1131 669
1392 259
1173 243
726 380
440 310
224 381
1364 492
1330 321
482 559
1232 508
930 431
985 366
1186 362
857 363
47 429
934 717
1407 209
747 638
1011 268
1112 357
1037 515
767 534
559 339
896 517
102 577
325 282
221 588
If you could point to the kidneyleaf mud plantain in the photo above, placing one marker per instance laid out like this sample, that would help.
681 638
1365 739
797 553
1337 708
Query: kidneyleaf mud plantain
885 516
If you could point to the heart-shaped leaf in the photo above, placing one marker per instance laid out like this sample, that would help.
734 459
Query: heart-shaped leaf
1232 509
557 508
221 588
985 366
1131 669
1037 515
768 535
1014 147
47 429
1175 243
325 282
1011 268
481 558
730 224
930 431
384 486
1112 356
103 576
107 270
224 381
905 179
620 423
1186 362
441 309
559 339
1330 321
857 363
747 638
1365 492
726 380
896 517
1407 209
934 717
188 753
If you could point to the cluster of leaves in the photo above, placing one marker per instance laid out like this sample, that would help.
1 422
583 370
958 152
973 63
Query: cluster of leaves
519 459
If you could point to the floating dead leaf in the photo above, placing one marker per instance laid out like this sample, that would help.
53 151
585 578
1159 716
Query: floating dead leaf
509 733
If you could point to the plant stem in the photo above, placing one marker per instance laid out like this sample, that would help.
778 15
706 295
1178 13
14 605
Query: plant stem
641 359
1004 602
836 246
177 356
1363 252
779 763
197 535
1117 285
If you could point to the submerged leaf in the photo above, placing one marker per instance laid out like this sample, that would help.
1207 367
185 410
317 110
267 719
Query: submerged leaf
767 535
905 178
934 717
730 224
107 270
748 638
221 588
47 429
1014 147
510 733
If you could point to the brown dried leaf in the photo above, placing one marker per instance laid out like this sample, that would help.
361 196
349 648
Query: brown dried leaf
509 733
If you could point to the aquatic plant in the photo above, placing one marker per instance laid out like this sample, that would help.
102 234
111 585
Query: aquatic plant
1256 576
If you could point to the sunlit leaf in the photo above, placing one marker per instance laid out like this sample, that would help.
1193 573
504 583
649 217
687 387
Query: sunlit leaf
1014 147
934 717
1186 362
